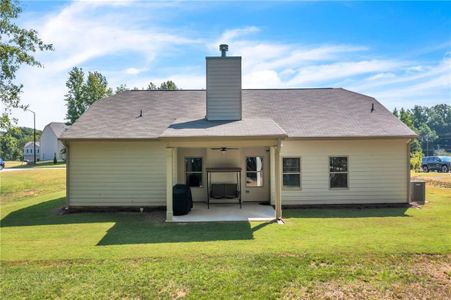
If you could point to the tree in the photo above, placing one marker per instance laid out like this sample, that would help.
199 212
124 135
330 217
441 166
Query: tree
82 94
419 115
151 86
16 48
121 88
406 117
415 160
9 144
426 135
96 88
13 141
433 126
75 95
168 85
396 113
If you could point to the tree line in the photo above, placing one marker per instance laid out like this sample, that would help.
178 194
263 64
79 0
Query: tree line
13 141
83 91
433 127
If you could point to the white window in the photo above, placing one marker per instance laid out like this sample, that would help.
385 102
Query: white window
291 172
193 171
254 171
338 172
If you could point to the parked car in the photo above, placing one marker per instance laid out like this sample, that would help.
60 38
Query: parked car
436 163
2 163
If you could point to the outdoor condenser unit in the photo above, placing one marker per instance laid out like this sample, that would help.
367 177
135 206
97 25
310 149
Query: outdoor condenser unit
418 191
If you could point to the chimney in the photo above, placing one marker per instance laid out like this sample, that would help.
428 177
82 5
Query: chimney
224 48
223 86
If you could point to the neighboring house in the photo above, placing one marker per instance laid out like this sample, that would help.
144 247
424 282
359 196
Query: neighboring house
302 146
50 145
28 151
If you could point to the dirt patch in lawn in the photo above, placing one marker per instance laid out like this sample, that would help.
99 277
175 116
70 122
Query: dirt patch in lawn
442 180
425 279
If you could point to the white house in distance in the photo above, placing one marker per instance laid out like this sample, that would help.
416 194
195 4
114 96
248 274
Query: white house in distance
28 151
50 145
304 146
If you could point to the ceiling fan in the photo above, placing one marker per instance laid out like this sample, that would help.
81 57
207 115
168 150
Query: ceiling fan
223 149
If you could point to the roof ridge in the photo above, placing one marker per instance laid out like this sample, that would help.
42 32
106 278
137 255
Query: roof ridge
248 89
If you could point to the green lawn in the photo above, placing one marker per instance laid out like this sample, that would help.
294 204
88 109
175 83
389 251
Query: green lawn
17 186
318 253
13 164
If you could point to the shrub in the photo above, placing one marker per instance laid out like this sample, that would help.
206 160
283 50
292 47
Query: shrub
415 160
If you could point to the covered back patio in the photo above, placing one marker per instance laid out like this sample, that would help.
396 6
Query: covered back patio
250 212
232 177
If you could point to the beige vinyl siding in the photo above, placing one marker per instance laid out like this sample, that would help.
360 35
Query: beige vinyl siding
117 173
377 171
223 88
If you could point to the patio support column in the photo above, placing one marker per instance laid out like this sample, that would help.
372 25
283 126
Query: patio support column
169 183
174 166
278 178
272 174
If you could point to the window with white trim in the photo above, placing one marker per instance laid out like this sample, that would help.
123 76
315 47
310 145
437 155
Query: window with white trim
254 171
291 172
338 172
193 171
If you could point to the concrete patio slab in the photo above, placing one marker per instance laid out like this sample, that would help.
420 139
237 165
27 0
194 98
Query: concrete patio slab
251 212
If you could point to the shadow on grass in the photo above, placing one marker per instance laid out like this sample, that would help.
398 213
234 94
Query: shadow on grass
149 227
367 212
127 233
131 227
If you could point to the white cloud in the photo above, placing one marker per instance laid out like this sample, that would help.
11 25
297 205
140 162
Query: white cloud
231 35
385 75
320 74
82 32
133 71
267 78
427 87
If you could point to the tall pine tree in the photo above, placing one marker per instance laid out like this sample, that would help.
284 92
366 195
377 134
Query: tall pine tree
82 94
75 95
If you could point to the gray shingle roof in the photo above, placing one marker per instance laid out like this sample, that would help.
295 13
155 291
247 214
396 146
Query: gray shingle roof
30 144
300 113
202 128
58 127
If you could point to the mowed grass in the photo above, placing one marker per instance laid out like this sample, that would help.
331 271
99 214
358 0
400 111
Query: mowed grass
19 185
12 164
318 253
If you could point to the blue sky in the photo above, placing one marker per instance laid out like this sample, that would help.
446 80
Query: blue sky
399 52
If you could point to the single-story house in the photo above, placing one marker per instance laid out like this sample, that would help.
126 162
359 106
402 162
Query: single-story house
28 151
50 145
301 146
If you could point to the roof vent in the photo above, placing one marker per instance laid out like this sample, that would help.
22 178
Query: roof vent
223 48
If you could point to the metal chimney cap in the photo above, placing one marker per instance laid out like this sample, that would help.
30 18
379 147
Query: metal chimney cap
223 48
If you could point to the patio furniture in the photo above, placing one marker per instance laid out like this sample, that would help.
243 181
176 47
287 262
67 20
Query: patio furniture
224 190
